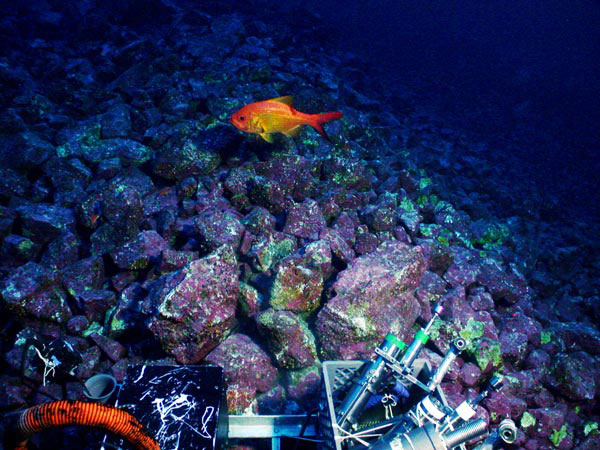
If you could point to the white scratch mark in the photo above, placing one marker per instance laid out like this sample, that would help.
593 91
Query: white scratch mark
141 375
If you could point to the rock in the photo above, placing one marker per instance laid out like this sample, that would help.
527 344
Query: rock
487 353
229 26
95 303
116 122
537 359
247 369
75 141
199 154
108 168
13 393
32 150
269 248
513 346
304 385
574 376
90 359
299 279
129 313
259 220
172 260
305 220
505 405
70 178
110 347
518 322
509 286
85 142
439 257
196 306
20 248
249 300
480 300
329 207
365 242
430 290
62 251
378 218
462 321
339 247
374 296
237 185
291 172
106 239
32 290
349 173
122 207
160 201
13 183
525 383
589 443
345 225
140 252
288 338
464 269
119 369
272 402
547 420
83 275
410 219
7 219
11 121
216 228
401 235
269 194
469 374
43 223
77 324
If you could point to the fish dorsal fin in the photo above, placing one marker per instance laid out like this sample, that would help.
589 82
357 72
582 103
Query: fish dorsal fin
287 100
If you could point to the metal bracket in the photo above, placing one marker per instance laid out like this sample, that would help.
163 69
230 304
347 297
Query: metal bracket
274 427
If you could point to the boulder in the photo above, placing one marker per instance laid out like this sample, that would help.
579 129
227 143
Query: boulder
299 278
507 285
216 227
305 220
288 338
195 306
574 376
43 223
374 296
140 252
247 368
304 385
34 291
269 248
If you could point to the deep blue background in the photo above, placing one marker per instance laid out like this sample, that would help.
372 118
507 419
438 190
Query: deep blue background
529 71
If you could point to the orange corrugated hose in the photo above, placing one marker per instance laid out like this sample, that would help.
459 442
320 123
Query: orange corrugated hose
71 412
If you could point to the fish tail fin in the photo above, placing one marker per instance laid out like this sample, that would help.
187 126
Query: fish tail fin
319 119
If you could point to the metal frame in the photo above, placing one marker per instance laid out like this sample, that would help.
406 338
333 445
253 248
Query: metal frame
336 375
274 427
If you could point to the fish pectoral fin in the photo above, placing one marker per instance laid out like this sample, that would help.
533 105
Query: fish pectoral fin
267 137
287 100
293 131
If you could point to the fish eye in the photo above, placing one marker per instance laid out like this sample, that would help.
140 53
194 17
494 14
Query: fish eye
242 118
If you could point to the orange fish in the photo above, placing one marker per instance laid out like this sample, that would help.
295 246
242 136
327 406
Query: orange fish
278 116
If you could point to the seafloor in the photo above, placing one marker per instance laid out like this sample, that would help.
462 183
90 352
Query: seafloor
139 226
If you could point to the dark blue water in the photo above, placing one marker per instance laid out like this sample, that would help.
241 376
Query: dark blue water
522 77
